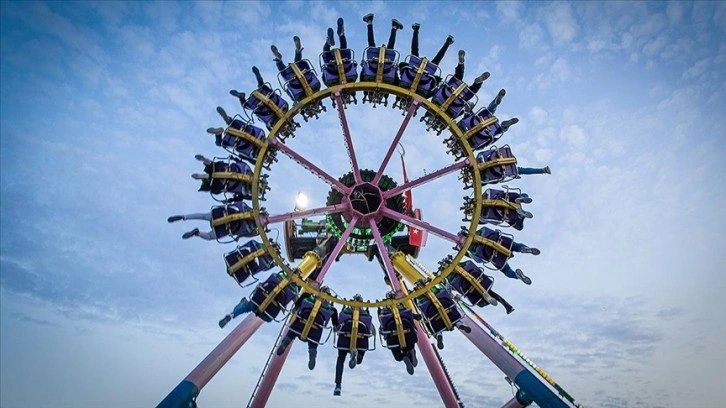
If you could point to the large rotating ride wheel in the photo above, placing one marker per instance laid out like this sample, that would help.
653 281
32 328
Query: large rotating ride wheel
365 206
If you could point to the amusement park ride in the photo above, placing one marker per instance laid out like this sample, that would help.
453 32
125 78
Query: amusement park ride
367 214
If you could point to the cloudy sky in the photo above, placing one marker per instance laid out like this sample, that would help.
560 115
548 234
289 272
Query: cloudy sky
104 105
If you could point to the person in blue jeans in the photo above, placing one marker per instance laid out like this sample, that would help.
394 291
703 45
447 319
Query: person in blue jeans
531 170
518 274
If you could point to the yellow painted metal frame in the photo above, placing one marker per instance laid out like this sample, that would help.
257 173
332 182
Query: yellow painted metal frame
400 262
419 74
228 175
309 263
459 89
471 132
232 218
339 64
301 280
244 135
300 77
268 102
494 245
245 260
474 282
381 64
354 329
311 319
505 161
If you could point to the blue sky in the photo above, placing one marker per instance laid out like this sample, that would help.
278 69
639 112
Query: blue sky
103 106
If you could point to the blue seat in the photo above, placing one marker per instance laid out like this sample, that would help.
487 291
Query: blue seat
497 165
229 177
243 139
319 320
338 66
279 290
471 282
452 95
389 330
299 80
500 208
488 255
344 331
248 260
375 67
434 313
267 105
481 129
235 220
418 77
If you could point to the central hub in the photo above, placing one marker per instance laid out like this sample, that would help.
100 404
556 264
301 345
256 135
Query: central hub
366 199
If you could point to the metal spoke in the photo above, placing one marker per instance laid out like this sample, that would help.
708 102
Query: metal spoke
384 255
425 179
310 166
346 135
334 253
401 129
395 215
265 220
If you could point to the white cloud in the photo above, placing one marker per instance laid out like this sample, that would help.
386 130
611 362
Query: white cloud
560 22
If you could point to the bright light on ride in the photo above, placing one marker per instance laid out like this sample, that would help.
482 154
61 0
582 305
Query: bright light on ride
301 202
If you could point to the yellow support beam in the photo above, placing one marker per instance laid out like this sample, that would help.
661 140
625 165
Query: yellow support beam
309 263
232 176
475 284
311 319
354 329
412 274
494 245
245 260
268 102
498 162
501 203
419 74
381 63
400 263
459 89
471 132
244 135
232 218
300 77
339 64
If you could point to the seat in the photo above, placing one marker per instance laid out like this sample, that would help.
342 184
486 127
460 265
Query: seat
266 104
439 310
338 67
397 328
355 328
419 76
472 283
497 165
247 261
452 95
380 65
243 139
491 247
230 178
311 319
235 220
481 129
500 208
273 295
299 80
